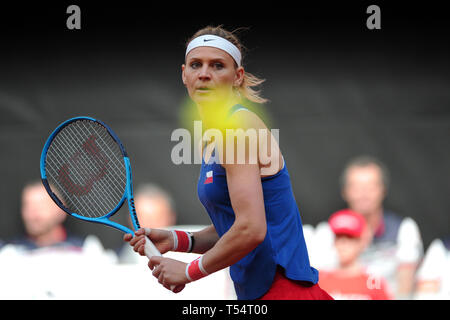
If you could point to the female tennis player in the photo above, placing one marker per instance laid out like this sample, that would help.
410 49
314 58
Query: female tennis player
256 228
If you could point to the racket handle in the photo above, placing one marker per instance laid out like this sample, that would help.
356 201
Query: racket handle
150 250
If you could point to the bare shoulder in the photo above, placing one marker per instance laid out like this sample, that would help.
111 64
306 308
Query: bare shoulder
246 119
259 144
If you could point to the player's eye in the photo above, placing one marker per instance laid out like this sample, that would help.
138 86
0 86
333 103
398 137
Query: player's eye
218 66
195 65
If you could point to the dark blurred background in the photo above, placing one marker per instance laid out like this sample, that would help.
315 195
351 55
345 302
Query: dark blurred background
336 90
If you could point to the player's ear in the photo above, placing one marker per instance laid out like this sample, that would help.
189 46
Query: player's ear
183 75
239 77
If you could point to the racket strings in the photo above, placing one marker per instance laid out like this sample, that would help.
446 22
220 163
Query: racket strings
89 163
77 175
85 165
116 160
83 171
110 180
74 201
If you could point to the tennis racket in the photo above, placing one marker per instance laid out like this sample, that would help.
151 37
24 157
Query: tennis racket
86 171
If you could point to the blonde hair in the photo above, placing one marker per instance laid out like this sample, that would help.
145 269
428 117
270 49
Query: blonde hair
250 81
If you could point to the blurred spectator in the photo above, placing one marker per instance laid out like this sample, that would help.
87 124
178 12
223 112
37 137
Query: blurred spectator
154 209
321 249
47 263
397 246
433 278
43 221
350 279
154 206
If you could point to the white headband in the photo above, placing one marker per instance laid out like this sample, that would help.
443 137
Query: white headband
216 42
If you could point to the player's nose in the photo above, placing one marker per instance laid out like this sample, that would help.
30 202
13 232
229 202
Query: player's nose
204 74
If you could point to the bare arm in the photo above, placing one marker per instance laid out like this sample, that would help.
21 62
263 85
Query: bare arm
205 239
249 227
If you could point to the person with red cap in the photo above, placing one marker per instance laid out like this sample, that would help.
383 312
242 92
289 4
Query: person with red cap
350 281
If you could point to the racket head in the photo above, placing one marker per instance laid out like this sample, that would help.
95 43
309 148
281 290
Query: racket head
85 170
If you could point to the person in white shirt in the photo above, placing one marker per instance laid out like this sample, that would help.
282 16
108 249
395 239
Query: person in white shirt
396 248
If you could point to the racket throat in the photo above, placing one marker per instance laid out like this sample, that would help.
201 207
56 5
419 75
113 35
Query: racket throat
130 197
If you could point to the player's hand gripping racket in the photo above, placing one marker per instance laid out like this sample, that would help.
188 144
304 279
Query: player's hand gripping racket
87 172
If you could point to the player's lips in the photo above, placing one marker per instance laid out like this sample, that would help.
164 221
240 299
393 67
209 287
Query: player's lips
204 89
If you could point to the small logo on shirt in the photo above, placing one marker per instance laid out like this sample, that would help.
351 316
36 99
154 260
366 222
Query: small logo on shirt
209 177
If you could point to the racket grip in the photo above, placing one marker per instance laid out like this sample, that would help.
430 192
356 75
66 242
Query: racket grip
150 250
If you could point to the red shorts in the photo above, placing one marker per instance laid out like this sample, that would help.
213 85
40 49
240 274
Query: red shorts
286 289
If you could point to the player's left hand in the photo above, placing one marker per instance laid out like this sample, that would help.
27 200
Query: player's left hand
169 272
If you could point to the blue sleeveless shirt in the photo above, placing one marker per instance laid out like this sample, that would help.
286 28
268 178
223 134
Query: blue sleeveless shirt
284 244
